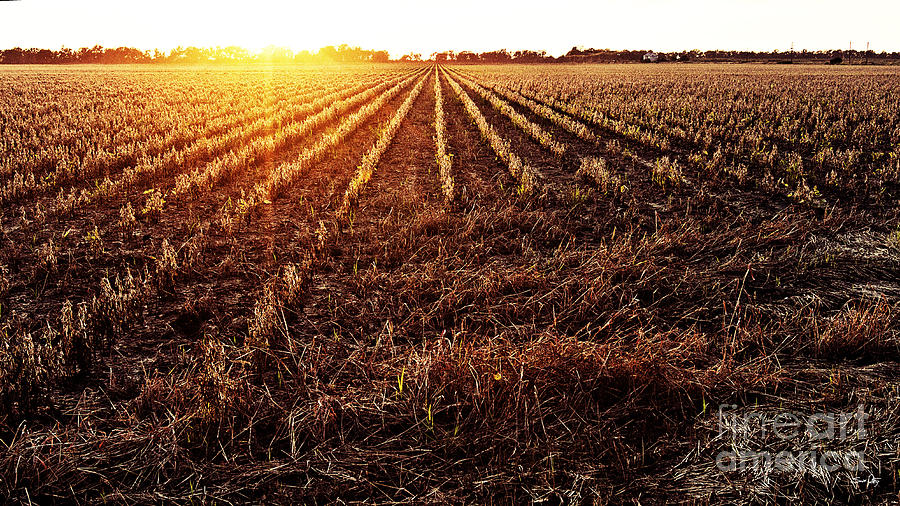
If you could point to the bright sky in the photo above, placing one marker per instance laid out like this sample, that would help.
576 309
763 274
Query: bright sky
402 26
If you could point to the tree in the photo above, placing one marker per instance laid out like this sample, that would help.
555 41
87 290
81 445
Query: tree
501 56
328 53
304 56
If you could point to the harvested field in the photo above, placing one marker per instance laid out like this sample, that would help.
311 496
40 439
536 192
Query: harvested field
455 284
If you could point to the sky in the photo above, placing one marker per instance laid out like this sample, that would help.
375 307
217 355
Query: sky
402 26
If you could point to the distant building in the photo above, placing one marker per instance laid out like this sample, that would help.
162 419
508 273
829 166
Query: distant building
651 57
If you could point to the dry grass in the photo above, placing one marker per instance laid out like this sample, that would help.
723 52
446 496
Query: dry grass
229 339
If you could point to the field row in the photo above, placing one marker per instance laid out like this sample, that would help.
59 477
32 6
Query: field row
420 278
799 136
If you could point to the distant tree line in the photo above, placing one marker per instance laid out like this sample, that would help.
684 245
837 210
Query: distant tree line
499 56
346 53
591 55
230 54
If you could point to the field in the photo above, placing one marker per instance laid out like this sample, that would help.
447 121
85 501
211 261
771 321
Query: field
430 283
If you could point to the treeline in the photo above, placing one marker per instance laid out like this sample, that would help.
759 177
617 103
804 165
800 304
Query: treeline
591 55
346 53
500 56
230 54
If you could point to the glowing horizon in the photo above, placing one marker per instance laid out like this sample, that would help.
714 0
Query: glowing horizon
403 26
